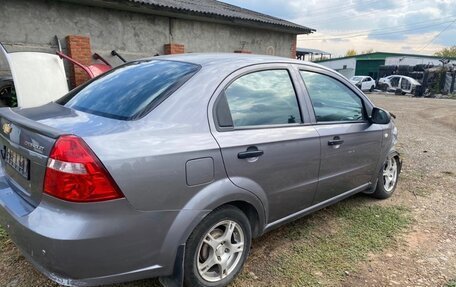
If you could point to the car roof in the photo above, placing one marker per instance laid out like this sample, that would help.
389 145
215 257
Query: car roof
233 60
414 81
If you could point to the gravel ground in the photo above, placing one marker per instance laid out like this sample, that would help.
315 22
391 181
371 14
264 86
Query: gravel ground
425 255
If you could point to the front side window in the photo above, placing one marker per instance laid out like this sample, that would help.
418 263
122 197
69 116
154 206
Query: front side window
263 98
332 101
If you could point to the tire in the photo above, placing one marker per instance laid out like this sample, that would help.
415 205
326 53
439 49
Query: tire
387 178
7 94
371 89
208 249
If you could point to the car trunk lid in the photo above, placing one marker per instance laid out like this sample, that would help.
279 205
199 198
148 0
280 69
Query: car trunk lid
25 146
30 134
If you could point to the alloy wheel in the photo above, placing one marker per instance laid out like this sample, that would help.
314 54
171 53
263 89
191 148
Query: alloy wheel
390 174
220 251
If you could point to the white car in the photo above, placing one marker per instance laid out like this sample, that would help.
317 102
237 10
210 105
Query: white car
364 83
394 82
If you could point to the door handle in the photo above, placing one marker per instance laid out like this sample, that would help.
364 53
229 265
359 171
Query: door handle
335 141
250 152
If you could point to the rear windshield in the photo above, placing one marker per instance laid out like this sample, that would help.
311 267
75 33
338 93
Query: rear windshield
130 91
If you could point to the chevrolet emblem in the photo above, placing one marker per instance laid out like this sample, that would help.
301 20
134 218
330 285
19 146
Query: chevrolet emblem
7 128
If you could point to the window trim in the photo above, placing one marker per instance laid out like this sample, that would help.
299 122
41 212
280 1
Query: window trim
258 68
367 105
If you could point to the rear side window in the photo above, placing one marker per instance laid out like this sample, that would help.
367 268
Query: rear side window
130 91
332 101
263 98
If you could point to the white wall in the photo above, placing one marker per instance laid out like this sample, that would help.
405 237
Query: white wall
338 65
412 61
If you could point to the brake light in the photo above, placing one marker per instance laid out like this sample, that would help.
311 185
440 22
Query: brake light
74 173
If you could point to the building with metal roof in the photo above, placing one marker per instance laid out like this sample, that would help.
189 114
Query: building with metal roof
369 64
307 54
142 28
205 10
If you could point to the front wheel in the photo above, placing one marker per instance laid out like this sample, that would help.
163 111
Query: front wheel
371 89
217 249
387 178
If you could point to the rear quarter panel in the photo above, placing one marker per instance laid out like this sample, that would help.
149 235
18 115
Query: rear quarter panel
148 161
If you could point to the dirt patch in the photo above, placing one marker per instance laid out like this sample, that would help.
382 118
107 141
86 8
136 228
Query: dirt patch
426 255
438 114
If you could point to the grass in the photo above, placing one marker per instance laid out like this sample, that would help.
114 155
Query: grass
452 283
318 250
4 239
326 247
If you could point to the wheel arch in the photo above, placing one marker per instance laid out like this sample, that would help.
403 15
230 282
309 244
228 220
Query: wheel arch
392 153
213 196
252 214
396 154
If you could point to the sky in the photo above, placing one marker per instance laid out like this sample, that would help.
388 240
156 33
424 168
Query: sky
402 26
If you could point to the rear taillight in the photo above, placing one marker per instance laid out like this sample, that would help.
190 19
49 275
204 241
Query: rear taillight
74 173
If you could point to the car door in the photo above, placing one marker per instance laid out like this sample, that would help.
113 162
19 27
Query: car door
405 85
394 81
350 144
371 83
366 84
268 146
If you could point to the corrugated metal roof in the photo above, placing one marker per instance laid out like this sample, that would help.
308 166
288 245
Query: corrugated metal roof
213 8
383 56
311 51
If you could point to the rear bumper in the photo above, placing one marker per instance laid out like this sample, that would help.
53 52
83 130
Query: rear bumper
89 244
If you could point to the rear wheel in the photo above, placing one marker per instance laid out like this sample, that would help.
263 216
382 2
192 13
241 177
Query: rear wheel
217 248
387 179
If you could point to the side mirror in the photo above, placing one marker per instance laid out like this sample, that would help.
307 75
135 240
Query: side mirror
380 116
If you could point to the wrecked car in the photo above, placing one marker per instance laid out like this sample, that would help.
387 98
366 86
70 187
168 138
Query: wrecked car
39 78
393 83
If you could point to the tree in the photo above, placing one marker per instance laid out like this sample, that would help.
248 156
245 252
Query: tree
447 52
350 53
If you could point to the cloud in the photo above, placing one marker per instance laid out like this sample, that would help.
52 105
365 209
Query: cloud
386 25
378 5
388 37
270 7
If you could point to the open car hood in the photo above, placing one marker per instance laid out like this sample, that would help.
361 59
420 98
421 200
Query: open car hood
39 78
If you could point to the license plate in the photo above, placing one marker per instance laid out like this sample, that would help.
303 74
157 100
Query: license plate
17 162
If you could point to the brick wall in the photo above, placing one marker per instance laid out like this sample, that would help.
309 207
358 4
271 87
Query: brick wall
174 49
80 50
293 49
